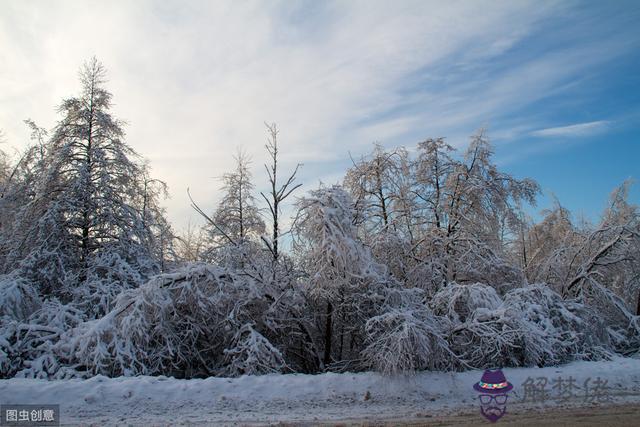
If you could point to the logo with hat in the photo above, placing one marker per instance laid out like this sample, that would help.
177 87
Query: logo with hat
493 388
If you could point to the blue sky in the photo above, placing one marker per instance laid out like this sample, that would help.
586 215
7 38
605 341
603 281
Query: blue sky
556 84
581 165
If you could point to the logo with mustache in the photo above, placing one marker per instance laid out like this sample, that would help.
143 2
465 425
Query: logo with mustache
493 388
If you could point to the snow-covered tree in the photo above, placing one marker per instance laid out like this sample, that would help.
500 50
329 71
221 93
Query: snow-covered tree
89 225
343 278
196 321
237 213
422 261
236 226
478 199
17 191
373 183
549 246
433 166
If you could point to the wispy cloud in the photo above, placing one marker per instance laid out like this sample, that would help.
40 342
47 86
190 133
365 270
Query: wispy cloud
580 129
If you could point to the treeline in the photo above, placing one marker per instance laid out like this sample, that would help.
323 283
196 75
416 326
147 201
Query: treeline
421 259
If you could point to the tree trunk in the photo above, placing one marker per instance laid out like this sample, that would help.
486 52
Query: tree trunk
86 217
327 334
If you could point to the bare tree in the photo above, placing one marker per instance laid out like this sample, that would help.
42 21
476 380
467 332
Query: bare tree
278 193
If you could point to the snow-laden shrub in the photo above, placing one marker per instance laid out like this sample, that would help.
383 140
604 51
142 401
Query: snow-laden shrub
344 284
532 326
176 324
457 302
252 354
405 341
18 298
407 336
623 327
572 330
32 343
9 362
120 343
494 337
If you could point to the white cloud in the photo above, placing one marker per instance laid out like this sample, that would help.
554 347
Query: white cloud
580 129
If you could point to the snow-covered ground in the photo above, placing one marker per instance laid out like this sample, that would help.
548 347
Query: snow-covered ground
308 398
